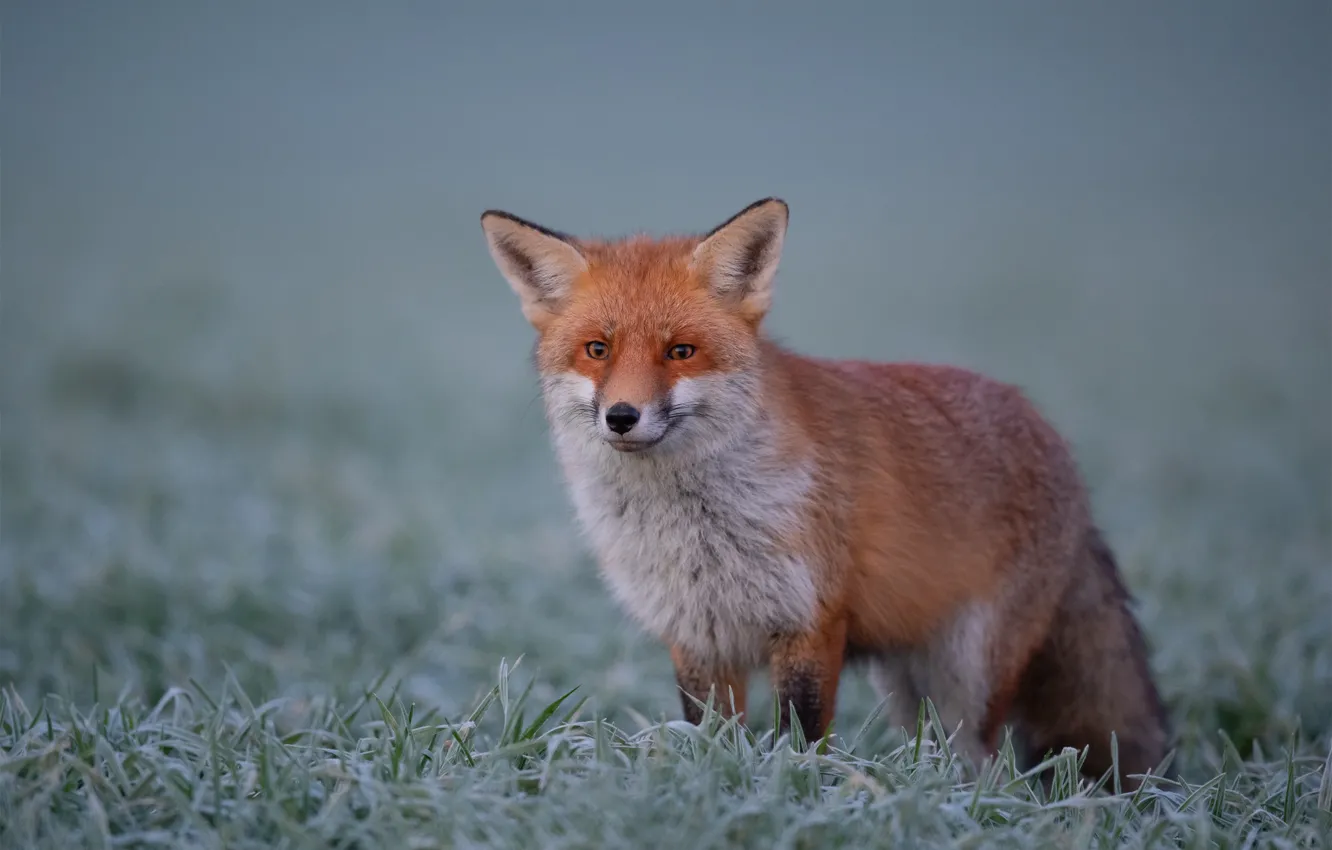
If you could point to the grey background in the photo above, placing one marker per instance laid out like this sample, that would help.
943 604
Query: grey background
258 370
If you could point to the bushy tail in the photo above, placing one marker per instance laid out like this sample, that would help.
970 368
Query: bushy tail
1091 676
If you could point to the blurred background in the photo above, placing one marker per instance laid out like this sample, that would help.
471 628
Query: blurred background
267 405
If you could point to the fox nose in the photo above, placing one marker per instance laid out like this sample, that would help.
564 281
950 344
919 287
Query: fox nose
621 417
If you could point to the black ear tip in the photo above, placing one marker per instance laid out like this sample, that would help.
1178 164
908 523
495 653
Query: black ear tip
522 222
771 201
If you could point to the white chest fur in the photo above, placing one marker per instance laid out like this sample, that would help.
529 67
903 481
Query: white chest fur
694 549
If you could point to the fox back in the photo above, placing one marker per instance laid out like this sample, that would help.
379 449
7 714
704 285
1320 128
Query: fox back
748 505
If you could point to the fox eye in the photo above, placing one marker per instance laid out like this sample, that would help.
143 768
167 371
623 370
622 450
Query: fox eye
683 351
598 350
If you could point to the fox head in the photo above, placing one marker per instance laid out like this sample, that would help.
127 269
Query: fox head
646 345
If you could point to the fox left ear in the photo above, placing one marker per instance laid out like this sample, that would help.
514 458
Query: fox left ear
738 259
540 264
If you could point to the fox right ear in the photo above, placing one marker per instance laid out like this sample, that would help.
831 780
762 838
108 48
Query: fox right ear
738 259
541 265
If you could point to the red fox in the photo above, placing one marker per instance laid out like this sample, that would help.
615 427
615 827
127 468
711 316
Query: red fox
751 506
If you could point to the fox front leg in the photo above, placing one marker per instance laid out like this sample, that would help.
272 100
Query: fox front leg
806 668
696 679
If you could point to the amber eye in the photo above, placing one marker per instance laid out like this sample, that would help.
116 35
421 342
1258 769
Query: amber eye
598 350
680 352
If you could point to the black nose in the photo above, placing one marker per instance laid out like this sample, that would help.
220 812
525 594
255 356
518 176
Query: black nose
621 417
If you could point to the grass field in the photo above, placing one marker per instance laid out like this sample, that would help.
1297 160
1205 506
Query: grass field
277 599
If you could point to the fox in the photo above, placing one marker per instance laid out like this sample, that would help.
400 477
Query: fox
749 506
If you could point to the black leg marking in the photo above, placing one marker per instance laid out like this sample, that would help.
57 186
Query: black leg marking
799 686
689 689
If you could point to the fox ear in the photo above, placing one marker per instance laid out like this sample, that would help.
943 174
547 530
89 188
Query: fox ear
738 259
541 265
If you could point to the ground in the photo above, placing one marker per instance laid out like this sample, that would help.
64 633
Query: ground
266 586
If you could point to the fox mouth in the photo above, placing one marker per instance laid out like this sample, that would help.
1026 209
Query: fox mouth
621 444
629 445
672 416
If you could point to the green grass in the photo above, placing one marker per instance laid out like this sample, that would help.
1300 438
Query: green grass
255 588
220 770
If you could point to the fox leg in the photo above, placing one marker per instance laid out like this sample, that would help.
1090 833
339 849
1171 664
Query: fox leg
890 676
806 668
952 669
696 678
